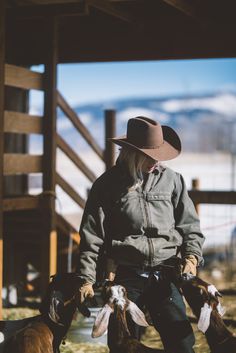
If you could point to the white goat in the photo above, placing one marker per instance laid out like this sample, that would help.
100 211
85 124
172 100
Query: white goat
118 304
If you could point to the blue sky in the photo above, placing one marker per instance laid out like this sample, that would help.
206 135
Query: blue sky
85 83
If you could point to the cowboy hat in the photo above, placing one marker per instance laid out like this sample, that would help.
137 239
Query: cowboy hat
157 141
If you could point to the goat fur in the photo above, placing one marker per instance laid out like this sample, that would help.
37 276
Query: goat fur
218 336
44 333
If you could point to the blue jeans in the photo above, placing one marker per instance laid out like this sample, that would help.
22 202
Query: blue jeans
165 305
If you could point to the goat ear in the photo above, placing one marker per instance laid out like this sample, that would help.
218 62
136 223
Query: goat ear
101 321
56 307
136 314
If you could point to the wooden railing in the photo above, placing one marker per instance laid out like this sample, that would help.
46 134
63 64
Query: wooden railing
22 123
106 156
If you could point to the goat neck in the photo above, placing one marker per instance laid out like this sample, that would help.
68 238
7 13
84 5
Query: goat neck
218 336
120 324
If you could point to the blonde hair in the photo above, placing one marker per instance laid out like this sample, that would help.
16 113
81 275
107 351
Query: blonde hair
134 161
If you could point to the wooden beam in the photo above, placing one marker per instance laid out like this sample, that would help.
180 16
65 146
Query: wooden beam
213 197
70 191
75 159
21 77
71 114
25 3
50 113
187 7
49 149
2 73
72 8
21 203
21 123
17 163
107 7
110 131
53 253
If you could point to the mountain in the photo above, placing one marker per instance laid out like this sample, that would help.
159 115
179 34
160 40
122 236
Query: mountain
206 123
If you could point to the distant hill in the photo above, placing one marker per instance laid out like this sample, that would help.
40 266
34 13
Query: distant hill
205 123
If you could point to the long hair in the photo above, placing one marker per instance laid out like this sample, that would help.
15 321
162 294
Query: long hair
134 162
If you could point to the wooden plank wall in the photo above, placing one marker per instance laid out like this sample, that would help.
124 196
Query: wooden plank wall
2 70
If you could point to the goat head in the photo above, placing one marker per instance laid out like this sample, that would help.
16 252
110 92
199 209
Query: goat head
116 298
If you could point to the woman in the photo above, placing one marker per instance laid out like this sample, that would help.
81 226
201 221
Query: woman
139 216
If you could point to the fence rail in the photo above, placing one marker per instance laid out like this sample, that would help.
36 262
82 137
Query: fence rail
70 191
75 158
17 163
22 123
21 77
213 197
73 117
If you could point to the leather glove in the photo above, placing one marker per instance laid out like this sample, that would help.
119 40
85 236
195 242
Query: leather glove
189 265
111 270
85 291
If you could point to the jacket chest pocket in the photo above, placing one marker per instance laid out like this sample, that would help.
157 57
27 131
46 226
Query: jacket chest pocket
161 210
125 213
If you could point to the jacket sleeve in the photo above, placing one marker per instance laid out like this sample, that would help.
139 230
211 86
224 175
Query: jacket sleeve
92 237
187 222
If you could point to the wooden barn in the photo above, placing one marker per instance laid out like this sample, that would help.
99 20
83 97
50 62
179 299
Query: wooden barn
50 32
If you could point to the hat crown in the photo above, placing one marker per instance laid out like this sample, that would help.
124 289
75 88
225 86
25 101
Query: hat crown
144 132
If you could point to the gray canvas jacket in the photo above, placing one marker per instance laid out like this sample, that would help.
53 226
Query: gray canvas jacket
141 227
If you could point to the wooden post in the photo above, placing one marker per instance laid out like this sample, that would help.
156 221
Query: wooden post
195 186
2 74
49 238
110 131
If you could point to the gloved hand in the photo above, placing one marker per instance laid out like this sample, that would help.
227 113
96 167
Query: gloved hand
111 269
189 265
85 291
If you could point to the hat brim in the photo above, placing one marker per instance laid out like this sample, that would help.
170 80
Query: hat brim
169 149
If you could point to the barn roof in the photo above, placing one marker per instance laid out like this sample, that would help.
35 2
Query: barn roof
117 30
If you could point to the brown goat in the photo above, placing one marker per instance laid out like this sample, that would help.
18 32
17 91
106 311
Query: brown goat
117 303
44 333
199 293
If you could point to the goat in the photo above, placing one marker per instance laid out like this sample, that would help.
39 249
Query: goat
203 300
44 333
117 303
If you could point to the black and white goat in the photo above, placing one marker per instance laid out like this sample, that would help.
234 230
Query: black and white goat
44 333
117 303
203 299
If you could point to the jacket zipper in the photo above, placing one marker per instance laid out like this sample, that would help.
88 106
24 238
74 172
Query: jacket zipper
150 244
